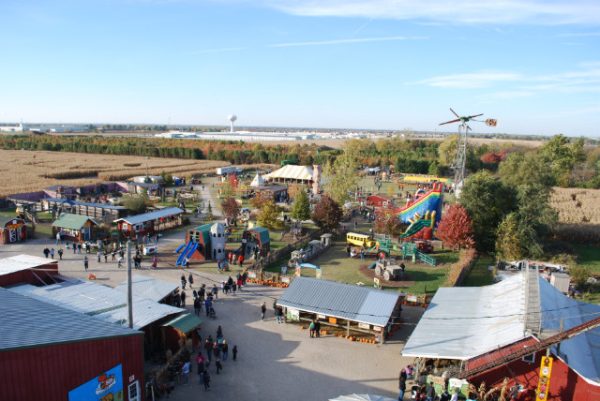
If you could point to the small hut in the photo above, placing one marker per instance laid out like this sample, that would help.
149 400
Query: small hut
12 229
75 227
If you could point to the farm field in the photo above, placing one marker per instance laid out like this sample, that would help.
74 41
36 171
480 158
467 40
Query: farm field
576 205
27 171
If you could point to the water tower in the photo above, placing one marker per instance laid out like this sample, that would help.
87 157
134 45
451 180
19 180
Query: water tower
231 119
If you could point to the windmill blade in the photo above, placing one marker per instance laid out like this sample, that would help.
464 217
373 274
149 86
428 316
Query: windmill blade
453 112
451 121
476 115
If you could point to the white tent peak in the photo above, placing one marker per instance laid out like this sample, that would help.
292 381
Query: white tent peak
258 181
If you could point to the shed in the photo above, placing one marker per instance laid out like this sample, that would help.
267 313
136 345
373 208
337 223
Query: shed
12 229
75 227
356 308
69 352
260 236
151 222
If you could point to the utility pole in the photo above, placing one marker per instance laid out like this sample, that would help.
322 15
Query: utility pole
129 292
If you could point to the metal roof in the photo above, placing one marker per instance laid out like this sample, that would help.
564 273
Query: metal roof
582 352
98 300
148 287
157 214
21 262
291 172
72 221
28 322
465 322
344 301
186 322
90 204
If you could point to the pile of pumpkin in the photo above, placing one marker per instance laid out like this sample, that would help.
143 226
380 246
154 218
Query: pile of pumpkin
269 283
351 338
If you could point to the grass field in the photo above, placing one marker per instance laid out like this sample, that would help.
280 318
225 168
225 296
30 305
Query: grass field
26 171
480 274
588 256
337 266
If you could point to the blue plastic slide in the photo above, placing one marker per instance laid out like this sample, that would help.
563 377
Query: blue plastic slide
181 258
180 247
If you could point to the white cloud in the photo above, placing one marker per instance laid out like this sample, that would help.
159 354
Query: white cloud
347 41
539 12
474 80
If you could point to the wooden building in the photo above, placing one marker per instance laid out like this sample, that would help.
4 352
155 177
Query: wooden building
50 353
101 212
12 229
150 223
74 227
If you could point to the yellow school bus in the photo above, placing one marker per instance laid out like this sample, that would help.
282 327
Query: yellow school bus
360 240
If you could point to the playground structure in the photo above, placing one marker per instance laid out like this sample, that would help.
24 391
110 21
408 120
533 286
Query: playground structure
424 225
411 250
202 243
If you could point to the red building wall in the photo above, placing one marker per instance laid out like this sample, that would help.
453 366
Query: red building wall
48 373
27 276
565 384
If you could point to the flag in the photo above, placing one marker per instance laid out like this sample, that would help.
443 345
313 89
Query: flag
490 122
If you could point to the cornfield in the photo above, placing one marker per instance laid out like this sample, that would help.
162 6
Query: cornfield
576 205
28 171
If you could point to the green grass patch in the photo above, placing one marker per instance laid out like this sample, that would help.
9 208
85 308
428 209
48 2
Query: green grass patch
588 256
43 231
480 274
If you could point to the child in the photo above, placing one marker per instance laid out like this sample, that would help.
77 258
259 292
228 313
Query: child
234 352
218 365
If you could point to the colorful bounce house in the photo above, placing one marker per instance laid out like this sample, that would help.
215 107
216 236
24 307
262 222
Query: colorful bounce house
422 212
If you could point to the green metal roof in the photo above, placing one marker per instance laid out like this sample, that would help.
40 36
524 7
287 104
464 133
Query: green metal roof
71 221
263 233
205 230
185 323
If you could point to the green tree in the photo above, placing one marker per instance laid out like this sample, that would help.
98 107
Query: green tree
342 175
525 168
487 201
327 214
301 206
135 203
579 274
562 156
509 241
167 178
447 150
268 216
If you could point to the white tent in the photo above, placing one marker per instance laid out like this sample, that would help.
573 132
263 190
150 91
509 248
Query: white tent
258 181
291 172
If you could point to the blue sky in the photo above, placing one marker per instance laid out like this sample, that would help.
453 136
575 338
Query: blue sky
382 64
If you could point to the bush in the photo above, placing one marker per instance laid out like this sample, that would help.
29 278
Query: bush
459 270
579 275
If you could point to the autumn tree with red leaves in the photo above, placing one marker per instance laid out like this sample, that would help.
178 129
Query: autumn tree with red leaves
387 222
327 214
456 228
231 209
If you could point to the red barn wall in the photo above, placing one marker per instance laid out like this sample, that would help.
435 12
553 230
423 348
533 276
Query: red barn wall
565 383
27 276
48 373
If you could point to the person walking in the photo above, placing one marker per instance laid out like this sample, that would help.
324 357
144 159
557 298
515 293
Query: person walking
263 310
206 380
60 253
317 329
208 347
98 256
183 282
197 306
51 253
200 366
120 262
183 296
219 332
430 392
105 256
225 350
311 329
85 262
234 352
218 365
215 291
402 386
185 372
191 280
46 252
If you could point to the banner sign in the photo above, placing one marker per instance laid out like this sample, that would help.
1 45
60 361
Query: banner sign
544 383
108 386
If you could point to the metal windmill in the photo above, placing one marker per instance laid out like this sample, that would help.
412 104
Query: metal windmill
461 151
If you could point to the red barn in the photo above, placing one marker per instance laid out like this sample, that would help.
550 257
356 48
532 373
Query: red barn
12 229
468 327
27 269
50 353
